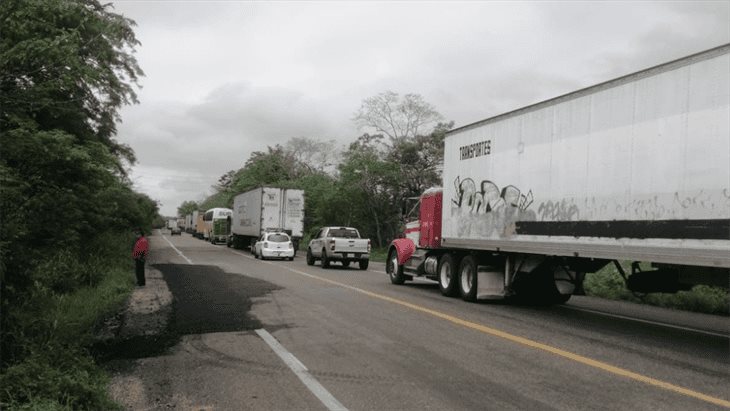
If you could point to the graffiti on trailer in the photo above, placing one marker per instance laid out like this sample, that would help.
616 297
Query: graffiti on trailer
487 210
558 211
489 198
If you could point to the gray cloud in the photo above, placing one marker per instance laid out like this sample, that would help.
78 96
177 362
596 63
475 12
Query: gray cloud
225 79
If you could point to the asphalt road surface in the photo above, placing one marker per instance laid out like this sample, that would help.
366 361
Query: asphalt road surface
281 335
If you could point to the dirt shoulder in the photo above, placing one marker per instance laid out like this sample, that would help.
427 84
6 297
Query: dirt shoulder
142 331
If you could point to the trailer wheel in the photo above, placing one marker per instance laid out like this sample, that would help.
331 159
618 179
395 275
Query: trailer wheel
395 271
325 260
538 287
468 279
310 257
448 276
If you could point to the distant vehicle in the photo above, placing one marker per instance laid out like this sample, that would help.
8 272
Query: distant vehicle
266 208
173 226
199 225
217 225
275 244
342 244
190 223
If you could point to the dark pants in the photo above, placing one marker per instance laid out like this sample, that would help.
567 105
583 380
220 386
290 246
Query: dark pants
139 271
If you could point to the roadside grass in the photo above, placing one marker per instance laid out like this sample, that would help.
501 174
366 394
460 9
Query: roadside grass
379 255
608 283
52 333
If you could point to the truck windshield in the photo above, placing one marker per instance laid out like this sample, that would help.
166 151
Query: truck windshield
344 233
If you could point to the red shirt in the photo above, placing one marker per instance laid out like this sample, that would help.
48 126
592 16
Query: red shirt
141 247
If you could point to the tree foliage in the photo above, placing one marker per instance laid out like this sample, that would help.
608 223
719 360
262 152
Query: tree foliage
398 118
364 185
187 207
66 67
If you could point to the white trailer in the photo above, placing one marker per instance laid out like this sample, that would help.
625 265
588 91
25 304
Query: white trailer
189 223
266 208
636 168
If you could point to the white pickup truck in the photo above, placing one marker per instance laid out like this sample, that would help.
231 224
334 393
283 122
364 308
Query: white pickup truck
341 244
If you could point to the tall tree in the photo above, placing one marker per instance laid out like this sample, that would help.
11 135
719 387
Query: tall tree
420 160
186 208
312 155
397 117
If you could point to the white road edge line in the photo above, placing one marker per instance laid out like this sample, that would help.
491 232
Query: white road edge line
178 251
661 324
301 372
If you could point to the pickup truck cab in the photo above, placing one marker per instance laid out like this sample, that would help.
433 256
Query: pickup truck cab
342 244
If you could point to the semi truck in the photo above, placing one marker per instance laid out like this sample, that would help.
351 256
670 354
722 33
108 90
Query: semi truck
191 220
199 230
633 172
266 208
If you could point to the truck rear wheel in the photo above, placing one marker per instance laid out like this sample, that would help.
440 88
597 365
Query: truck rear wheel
345 263
364 264
468 279
325 260
310 257
448 278
395 271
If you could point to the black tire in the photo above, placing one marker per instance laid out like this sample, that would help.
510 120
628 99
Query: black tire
364 264
325 260
562 298
448 276
539 288
310 257
394 271
290 258
345 263
468 279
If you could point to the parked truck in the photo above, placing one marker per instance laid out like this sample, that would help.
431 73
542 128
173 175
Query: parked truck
191 220
266 208
199 231
636 170
341 244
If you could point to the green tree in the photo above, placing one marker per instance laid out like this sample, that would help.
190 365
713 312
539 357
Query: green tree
420 160
370 184
187 207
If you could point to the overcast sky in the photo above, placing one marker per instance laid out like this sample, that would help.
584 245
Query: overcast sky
226 78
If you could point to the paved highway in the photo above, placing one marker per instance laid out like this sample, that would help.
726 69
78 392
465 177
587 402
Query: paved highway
266 335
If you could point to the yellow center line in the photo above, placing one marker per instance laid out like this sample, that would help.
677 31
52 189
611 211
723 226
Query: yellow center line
532 344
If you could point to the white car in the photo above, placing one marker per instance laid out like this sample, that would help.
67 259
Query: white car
274 245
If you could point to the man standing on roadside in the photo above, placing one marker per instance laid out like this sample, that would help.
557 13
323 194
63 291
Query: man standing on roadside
139 253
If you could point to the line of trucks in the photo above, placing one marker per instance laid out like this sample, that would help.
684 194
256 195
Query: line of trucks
254 212
633 172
